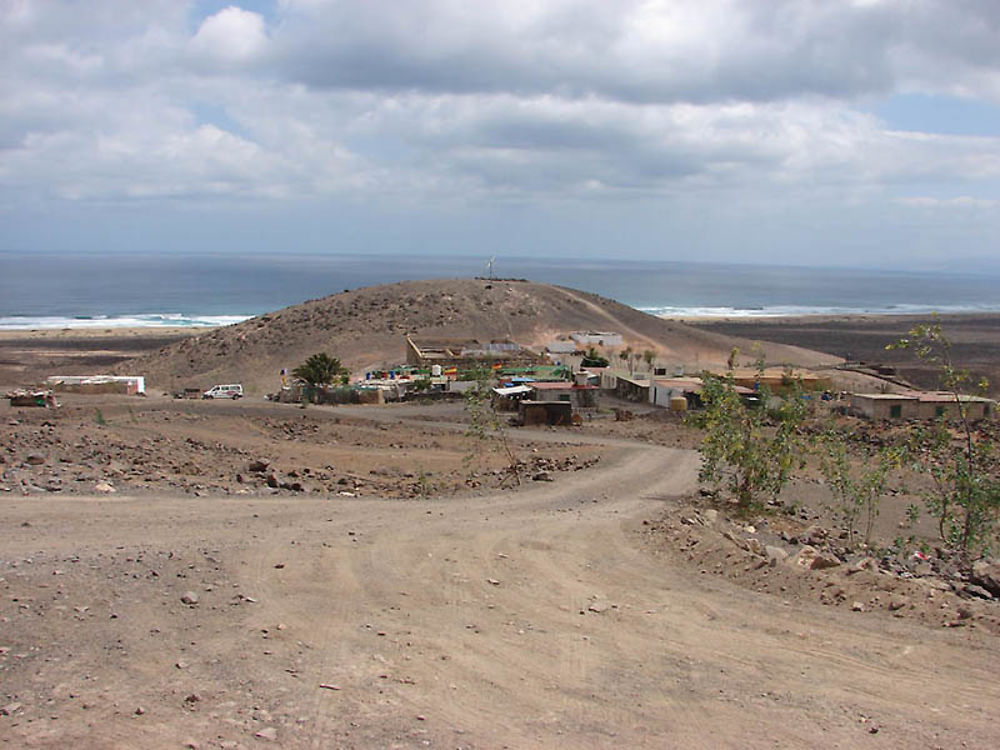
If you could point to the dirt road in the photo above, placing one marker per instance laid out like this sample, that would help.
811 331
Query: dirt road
522 620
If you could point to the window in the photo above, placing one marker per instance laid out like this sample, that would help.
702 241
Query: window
896 411
939 411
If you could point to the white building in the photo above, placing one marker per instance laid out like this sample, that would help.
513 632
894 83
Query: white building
597 338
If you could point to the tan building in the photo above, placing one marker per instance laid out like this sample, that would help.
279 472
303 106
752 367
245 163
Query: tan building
778 379
917 405
467 353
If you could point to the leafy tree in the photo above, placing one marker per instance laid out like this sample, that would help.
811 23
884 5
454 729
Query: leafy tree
748 449
320 369
858 479
628 356
964 466
649 356
593 358
486 428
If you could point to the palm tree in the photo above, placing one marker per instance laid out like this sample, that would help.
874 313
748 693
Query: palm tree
625 355
319 369
648 357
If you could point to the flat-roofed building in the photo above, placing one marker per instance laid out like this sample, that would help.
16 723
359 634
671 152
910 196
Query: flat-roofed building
467 353
918 405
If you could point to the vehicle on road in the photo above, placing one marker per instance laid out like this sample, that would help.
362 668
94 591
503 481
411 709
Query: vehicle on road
233 391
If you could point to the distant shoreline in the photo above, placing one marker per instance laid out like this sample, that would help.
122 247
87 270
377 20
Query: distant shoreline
895 321
128 325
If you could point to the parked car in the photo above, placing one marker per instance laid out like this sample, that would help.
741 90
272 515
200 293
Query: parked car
233 391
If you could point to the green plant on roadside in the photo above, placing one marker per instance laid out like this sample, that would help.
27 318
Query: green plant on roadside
858 478
424 486
487 430
748 449
963 465
99 418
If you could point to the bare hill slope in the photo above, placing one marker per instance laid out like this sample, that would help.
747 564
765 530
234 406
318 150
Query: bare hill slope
366 327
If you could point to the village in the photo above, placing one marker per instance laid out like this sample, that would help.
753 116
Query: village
561 385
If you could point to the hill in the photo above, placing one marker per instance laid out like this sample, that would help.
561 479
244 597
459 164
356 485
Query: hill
366 328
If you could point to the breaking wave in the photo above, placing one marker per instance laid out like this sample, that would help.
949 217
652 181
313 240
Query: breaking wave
160 320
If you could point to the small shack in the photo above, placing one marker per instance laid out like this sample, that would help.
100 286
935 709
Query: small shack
577 395
556 413
509 398
32 397
631 388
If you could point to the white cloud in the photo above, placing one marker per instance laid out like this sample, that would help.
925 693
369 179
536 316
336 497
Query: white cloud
232 35
700 103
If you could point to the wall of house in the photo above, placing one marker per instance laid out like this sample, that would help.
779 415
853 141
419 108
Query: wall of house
631 391
950 410
661 394
881 408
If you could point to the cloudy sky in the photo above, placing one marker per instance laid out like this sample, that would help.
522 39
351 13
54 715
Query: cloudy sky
829 132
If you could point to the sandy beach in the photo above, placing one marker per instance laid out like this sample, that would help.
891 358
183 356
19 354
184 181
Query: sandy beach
30 356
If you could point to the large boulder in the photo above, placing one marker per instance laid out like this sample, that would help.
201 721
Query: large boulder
987 575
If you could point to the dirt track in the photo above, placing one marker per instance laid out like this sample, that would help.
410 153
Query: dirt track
530 619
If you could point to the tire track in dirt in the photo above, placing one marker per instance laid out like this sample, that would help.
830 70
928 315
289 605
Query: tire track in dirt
458 622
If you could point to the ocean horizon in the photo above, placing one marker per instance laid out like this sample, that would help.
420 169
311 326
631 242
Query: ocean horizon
63 290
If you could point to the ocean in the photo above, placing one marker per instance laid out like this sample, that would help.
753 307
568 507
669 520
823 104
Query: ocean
123 290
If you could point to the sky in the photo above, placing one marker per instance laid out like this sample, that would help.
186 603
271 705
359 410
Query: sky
805 132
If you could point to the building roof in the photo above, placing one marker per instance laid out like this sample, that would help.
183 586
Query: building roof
926 397
636 381
695 384
513 390
564 385
771 373
885 396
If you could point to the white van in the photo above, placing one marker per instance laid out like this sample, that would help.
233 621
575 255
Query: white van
233 391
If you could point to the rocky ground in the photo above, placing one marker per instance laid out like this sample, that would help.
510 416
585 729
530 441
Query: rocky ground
159 445
548 617
793 560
